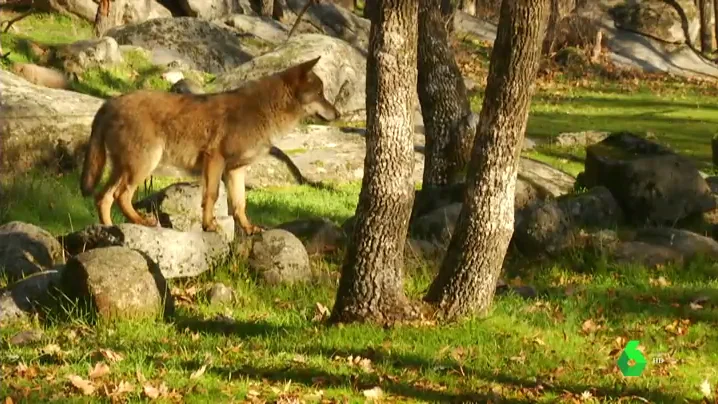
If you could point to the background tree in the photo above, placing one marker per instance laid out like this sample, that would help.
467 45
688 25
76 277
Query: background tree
102 20
706 10
444 105
371 286
467 278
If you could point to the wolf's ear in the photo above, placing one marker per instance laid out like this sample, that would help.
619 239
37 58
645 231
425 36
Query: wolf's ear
308 65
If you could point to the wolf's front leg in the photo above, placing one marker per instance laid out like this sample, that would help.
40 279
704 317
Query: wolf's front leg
235 182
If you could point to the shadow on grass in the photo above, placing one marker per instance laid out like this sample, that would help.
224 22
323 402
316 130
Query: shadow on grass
228 326
423 389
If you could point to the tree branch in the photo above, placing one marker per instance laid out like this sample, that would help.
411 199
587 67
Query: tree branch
299 17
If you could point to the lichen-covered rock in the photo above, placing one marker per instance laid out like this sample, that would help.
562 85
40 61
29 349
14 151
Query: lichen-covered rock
687 243
342 69
548 180
201 45
177 253
42 126
651 183
119 281
659 19
26 249
279 257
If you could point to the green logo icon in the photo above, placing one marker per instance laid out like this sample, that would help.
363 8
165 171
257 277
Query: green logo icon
631 352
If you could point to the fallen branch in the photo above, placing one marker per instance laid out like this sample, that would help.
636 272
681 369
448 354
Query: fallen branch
12 21
299 17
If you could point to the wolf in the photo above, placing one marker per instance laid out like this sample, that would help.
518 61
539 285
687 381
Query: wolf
215 136
189 86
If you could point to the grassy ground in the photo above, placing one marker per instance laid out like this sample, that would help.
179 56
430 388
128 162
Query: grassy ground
560 347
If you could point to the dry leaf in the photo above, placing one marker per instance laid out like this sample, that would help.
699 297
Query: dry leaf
85 386
198 373
99 370
589 326
320 312
52 349
375 392
706 388
110 355
122 388
8 400
150 391
140 377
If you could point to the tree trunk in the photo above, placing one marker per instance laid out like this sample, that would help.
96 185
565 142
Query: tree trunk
267 8
371 287
715 22
369 5
101 18
467 278
444 105
706 10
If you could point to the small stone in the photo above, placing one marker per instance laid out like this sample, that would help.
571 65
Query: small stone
220 293
25 337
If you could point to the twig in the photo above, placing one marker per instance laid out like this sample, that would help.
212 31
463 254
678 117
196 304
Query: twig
5 56
299 17
12 21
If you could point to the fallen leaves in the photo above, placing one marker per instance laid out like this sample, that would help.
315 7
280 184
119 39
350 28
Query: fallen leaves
678 327
153 392
100 370
321 312
111 355
198 373
84 386
374 393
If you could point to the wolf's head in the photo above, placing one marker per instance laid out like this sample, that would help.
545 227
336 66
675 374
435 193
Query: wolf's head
308 88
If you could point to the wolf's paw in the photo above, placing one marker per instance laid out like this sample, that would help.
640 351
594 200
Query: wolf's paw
149 220
211 227
252 229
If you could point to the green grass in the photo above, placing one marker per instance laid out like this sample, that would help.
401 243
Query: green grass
558 347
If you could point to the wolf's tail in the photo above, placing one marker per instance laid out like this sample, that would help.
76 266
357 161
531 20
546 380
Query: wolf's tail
95 155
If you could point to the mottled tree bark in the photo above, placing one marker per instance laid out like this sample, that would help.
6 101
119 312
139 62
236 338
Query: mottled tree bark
467 278
445 106
706 10
371 287
101 18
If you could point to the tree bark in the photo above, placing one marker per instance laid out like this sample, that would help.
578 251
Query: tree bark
706 10
369 5
467 278
449 131
266 8
715 22
102 18
371 287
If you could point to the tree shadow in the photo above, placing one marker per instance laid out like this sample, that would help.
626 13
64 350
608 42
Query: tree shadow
227 326
531 387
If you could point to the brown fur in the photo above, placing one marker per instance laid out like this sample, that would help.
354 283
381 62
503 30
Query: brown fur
41 76
216 135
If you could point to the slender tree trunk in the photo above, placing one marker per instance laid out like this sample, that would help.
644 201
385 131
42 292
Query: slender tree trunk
371 287
706 10
715 22
369 5
267 8
467 278
444 105
101 18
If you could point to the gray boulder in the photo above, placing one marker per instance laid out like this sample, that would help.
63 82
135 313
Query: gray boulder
278 257
177 253
341 68
652 184
27 295
42 126
659 19
26 249
121 283
201 45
